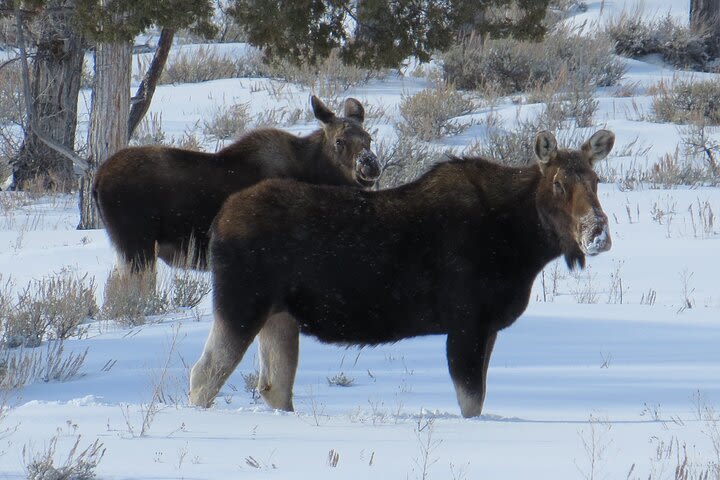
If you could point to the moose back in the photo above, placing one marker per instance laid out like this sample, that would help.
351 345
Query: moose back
455 253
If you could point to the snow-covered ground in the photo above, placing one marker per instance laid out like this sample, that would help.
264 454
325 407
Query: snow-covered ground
575 389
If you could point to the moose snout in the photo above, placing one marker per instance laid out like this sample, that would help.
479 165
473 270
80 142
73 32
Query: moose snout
597 238
368 166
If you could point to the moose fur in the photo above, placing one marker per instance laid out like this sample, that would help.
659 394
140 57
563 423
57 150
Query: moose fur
165 197
455 252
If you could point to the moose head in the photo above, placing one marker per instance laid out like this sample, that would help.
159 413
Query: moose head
346 141
567 198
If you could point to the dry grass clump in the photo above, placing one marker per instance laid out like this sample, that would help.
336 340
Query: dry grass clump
506 66
131 297
678 44
683 101
429 114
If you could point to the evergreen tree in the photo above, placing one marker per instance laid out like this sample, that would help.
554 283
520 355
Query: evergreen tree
378 33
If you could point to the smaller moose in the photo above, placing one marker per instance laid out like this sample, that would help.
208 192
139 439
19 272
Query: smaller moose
164 199
455 252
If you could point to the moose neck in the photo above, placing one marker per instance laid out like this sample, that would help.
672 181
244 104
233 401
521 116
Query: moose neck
510 193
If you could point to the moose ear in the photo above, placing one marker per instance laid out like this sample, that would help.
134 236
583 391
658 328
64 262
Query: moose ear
354 110
545 148
599 145
321 112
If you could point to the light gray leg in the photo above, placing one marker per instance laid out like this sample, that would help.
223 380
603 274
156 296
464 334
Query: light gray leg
279 345
223 351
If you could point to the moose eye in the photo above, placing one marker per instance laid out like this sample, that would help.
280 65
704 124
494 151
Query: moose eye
558 186
340 143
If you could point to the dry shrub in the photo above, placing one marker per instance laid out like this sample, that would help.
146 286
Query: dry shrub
131 297
515 147
25 366
675 169
330 78
79 465
187 285
428 114
566 98
149 131
204 63
506 66
404 160
6 303
227 121
53 307
188 141
684 101
678 44
281 116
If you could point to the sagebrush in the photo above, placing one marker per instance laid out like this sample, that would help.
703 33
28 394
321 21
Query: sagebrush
506 66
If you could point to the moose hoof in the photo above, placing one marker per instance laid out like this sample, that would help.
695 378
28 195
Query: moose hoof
276 399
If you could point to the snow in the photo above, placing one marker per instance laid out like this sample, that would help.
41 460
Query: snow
629 378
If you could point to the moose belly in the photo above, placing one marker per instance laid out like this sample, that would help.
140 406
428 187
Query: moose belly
363 314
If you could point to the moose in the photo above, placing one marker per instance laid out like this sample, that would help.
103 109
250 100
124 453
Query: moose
454 252
160 201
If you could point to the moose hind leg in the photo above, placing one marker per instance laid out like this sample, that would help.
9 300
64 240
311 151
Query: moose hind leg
278 346
468 361
223 351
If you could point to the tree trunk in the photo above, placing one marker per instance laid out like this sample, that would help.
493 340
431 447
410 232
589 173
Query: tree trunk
145 91
108 119
705 16
57 70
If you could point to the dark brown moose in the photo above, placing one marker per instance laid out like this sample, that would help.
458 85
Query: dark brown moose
455 253
163 196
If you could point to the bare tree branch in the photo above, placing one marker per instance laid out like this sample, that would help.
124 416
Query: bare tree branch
145 91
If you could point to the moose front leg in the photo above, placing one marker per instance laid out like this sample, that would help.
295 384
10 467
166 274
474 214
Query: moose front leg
468 360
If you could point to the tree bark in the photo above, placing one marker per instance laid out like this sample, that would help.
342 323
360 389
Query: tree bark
705 16
57 70
108 119
146 90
